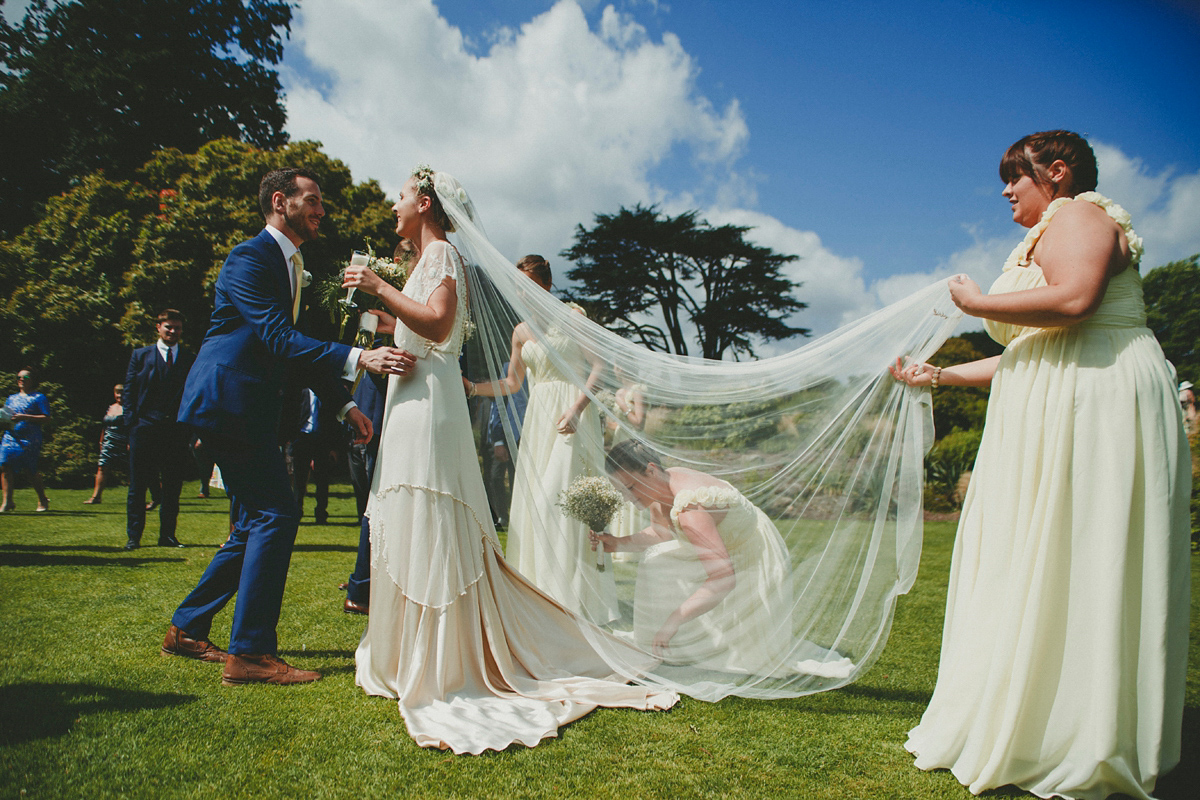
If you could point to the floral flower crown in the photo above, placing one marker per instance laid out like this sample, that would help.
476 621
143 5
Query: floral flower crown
424 175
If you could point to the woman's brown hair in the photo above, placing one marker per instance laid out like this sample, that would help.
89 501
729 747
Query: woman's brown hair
1032 154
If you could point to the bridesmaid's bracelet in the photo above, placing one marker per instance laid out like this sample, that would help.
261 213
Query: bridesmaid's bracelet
933 381
470 388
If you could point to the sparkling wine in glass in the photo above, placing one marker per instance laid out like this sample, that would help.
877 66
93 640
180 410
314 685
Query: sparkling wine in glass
357 259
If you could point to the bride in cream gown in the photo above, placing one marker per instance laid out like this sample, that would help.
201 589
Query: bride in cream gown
1065 644
475 656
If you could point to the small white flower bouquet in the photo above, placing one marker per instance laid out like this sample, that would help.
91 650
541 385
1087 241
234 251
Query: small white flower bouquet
593 501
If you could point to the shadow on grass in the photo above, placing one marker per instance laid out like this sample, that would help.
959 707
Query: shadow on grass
346 654
20 556
326 548
31 711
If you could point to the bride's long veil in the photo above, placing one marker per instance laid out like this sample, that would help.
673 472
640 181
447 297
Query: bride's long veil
821 439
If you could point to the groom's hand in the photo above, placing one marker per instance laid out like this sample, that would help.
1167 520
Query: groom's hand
361 424
387 361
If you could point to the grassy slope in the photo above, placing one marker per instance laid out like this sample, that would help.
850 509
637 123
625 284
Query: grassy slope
88 707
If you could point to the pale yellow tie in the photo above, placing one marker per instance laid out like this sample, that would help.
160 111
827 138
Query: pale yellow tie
297 276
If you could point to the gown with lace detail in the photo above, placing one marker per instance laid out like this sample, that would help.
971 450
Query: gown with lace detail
476 657
750 630
1064 651
544 544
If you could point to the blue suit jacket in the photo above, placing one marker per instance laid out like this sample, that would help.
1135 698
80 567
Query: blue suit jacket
236 385
152 392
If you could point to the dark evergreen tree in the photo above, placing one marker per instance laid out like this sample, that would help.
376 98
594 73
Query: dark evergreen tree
700 279
1172 295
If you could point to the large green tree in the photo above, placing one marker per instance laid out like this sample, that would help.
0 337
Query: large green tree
95 85
1172 295
80 287
708 278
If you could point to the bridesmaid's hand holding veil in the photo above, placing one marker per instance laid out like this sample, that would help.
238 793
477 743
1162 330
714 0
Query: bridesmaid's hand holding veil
963 292
915 374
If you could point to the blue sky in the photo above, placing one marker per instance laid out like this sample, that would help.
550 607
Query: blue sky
916 100
862 136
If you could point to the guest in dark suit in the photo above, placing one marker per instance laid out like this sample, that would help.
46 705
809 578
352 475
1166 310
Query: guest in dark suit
314 452
234 397
503 467
157 442
370 394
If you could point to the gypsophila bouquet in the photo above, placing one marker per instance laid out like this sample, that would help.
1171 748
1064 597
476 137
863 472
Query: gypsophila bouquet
593 501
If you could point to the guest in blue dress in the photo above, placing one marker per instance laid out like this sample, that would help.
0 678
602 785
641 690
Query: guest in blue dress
22 443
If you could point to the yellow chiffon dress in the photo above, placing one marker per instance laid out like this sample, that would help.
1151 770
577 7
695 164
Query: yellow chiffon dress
1064 651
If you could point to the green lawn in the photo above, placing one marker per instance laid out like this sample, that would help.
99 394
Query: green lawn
88 707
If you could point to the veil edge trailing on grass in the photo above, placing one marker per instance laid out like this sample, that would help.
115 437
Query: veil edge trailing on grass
821 443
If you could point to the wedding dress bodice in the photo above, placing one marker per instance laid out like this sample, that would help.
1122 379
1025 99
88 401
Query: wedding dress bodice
439 261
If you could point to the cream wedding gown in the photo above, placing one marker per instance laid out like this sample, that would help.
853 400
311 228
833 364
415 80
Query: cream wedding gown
1065 645
476 657
546 546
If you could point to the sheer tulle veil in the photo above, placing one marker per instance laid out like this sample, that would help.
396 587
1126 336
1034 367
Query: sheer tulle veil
821 440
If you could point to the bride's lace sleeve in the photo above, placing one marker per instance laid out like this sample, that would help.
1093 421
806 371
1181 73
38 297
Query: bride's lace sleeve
439 261
442 262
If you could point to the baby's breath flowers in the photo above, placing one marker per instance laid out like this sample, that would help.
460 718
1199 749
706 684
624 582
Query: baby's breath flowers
593 501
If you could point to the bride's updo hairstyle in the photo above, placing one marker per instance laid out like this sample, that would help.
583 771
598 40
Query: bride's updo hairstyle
1032 154
537 268
631 456
424 180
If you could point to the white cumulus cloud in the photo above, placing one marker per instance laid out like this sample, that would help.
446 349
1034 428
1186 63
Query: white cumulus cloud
1165 206
555 122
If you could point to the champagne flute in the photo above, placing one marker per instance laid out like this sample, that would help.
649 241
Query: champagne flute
357 259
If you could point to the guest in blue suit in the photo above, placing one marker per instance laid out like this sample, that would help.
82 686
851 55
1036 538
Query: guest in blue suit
234 397
158 444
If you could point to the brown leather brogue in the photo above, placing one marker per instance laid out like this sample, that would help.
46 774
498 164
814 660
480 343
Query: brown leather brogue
178 643
242 668
351 607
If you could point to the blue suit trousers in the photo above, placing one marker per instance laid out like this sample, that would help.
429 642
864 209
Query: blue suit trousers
253 563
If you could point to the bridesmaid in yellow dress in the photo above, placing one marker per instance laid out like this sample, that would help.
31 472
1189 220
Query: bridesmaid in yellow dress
630 403
561 440
1064 651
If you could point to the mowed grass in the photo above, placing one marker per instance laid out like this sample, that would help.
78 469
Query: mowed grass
89 708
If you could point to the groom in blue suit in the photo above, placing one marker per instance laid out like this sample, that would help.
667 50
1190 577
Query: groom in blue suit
234 397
